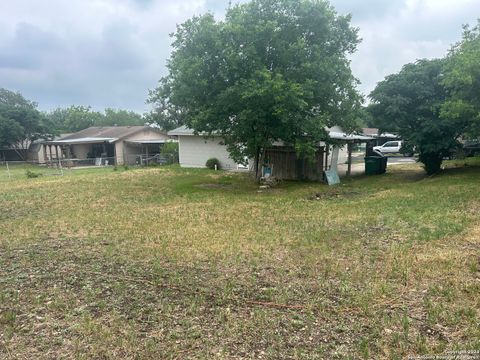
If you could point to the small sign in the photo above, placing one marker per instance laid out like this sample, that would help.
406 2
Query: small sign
267 171
332 177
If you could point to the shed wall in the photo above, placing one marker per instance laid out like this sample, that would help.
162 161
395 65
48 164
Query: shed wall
287 166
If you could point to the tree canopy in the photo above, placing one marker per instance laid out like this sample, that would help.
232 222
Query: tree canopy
433 103
409 103
272 70
462 80
76 118
20 121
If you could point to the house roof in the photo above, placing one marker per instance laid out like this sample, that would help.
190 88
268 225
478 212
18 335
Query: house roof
182 131
344 136
156 141
334 133
374 132
97 134
370 131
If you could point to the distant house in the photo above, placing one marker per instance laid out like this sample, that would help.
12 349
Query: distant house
281 160
107 145
381 138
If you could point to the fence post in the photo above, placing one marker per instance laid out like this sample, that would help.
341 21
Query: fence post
8 171
60 166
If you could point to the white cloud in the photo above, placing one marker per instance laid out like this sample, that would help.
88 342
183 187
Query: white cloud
110 52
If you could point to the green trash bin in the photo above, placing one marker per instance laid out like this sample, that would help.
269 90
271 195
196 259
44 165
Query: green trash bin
384 165
375 165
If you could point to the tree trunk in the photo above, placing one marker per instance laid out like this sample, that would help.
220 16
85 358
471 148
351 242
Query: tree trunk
258 174
432 162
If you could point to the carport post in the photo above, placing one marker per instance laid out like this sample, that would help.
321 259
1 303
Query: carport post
146 153
51 154
44 150
349 162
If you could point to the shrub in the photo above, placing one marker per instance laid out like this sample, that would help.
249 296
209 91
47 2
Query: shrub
32 175
212 162
170 151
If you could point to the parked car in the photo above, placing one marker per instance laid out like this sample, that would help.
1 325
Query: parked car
394 147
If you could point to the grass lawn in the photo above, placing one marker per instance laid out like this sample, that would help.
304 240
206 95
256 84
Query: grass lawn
170 263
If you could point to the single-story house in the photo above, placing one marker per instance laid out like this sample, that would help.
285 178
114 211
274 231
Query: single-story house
107 145
196 149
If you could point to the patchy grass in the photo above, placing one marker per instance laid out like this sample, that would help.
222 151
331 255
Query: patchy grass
180 263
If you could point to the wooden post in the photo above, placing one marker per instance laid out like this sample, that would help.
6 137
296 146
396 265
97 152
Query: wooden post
44 153
8 171
327 150
349 163
51 154
56 151
146 153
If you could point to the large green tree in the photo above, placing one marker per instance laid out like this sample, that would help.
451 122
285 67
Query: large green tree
462 80
11 132
272 70
120 117
75 118
409 103
20 121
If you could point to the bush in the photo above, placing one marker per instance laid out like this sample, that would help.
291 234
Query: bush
32 175
170 151
212 162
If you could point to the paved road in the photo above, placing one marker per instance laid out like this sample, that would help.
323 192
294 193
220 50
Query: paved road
401 160
391 159
358 166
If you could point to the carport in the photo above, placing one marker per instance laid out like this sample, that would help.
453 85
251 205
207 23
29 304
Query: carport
349 139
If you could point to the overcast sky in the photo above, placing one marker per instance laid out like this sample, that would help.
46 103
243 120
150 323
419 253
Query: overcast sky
108 53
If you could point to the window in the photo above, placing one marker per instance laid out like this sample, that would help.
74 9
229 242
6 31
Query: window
391 144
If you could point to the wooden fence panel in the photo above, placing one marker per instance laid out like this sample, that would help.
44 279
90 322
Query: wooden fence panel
287 166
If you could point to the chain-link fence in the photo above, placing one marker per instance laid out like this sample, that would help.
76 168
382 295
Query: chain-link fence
147 160
13 170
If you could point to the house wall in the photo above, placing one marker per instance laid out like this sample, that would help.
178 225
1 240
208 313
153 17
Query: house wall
81 151
194 151
119 152
147 135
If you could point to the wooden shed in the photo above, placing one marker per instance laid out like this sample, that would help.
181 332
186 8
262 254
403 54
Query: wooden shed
284 163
